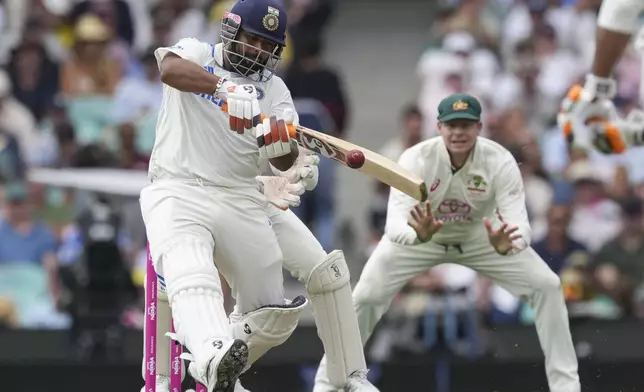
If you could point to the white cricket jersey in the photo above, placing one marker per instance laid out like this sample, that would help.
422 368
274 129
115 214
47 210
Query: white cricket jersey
488 184
193 138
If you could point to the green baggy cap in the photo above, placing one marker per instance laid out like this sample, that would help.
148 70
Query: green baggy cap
459 107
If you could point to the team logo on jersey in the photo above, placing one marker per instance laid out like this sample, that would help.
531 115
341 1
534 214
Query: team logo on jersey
477 184
271 22
459 105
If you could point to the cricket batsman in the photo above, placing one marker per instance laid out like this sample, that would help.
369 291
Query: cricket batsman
475 216
206 197
302 255
588 116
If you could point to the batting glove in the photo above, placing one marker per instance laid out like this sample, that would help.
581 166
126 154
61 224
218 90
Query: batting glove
304 171
243 108
582 111
616 137
272 135
280 192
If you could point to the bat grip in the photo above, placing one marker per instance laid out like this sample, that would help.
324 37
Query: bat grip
292 132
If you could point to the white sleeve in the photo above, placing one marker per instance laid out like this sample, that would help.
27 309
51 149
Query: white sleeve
187 48
282 100
399 205
620 15
510 202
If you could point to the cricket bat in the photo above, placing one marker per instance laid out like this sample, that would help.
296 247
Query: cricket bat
375 165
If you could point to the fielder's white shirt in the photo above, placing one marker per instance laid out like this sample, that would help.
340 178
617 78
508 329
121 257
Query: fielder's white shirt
193 138
488 184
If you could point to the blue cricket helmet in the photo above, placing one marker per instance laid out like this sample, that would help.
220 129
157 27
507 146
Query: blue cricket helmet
265 19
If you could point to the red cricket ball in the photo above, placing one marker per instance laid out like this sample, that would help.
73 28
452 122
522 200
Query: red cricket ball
355 159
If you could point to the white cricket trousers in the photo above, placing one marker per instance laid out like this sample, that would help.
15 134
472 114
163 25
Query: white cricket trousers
233 223
523 274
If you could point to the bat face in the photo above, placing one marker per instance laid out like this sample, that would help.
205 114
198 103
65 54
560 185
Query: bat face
376 166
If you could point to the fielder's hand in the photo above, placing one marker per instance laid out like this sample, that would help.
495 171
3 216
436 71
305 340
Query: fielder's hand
243 108
304 171
280 192
272 135
503 238
423 222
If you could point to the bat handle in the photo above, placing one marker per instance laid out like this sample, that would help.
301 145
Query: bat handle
292 131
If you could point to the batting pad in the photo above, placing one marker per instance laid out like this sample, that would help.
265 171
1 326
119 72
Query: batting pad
330 292
266 327
195 296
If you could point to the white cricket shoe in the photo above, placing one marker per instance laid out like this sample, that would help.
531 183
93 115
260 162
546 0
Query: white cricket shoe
358 382
163 384
222 371
240 388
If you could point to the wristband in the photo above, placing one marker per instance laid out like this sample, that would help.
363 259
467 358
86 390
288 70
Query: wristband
220 83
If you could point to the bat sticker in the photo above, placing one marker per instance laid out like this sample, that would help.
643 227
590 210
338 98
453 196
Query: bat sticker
321 147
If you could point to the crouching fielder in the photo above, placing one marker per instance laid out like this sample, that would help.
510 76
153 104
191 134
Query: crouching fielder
475 216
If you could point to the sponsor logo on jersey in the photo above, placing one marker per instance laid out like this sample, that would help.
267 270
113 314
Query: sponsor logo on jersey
453 210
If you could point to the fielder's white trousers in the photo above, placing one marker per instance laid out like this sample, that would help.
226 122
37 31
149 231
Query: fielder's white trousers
524 274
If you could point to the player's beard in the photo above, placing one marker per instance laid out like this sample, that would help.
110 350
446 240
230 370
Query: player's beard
251 64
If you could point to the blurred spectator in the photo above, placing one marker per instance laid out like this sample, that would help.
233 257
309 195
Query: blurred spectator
619 265
67 145
557 246
595 218
538 191
475 16
89 78
8 314
310 78
24 240
412 126
459 64
12 165
129 154
34 77
184 20
308 20
115 14
90 70
42 28
16 119
138 100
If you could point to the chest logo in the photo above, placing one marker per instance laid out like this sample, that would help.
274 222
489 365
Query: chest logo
477 184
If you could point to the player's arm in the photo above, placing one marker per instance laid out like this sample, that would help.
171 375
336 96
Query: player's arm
591 105
399 205
510 201
181 67
616 24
